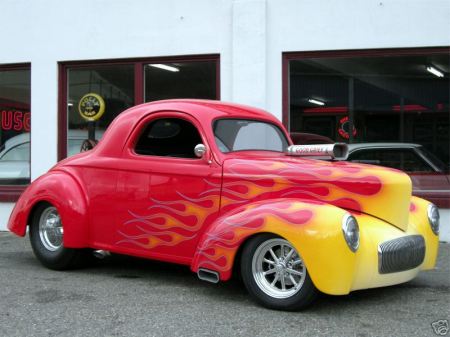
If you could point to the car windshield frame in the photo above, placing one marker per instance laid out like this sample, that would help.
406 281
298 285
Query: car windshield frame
283 138
431 158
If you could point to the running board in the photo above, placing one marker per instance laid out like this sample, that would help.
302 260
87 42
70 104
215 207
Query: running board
208 275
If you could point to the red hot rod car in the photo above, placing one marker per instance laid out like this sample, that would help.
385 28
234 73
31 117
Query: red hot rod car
211 185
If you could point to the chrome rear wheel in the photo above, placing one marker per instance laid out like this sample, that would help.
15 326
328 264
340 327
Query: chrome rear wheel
47 240
51 229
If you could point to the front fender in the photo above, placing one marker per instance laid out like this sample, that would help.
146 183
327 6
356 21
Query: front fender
61 189
313 228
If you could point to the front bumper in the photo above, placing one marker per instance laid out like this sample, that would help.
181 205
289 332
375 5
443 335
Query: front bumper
388 255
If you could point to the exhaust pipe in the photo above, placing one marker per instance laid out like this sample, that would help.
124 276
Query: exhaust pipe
208 275
101 254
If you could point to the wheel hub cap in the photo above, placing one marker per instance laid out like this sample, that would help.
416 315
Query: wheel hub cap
50 229
278 269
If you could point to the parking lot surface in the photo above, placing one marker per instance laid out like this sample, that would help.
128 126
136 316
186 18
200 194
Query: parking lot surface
123 296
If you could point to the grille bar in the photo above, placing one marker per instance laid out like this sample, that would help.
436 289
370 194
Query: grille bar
401 254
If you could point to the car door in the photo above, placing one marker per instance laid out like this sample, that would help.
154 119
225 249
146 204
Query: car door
167 194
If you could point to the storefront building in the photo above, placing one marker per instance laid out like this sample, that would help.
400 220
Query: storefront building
360 72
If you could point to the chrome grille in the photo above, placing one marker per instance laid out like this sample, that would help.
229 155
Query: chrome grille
401 254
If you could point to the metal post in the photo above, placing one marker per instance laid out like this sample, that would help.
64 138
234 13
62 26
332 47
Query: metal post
350 108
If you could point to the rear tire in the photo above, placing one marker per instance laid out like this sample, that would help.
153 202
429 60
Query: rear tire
46 237
275 275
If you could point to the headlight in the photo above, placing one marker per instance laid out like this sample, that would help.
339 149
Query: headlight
433 218
350 229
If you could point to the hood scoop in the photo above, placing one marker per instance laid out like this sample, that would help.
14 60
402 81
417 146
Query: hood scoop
335 151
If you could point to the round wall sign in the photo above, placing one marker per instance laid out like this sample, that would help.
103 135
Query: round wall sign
91 107
344 128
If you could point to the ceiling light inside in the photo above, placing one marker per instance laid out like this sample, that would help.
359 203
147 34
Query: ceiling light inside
315 101
165 67
435 72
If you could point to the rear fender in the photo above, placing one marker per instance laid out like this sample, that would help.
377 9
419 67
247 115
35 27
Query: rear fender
315 230
61 189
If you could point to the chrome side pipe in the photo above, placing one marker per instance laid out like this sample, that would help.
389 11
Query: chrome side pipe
101 254
208 275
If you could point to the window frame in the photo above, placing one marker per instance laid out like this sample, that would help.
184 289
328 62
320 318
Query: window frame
143 127
10 193
139 83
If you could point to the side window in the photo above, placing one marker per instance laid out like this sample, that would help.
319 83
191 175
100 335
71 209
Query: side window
404 159
169 137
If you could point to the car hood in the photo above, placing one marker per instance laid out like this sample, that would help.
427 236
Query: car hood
381 192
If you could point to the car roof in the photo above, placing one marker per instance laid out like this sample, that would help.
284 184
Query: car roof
359 146
19 139
210 109
204 111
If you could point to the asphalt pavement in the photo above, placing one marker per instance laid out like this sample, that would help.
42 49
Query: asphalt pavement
124 296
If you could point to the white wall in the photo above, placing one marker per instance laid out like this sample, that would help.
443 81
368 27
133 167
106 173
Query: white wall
249 35
5 211
444 234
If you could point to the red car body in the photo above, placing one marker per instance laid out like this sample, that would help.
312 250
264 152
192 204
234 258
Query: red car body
200 212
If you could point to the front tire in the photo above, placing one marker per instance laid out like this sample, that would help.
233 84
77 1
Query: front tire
46 237
275 275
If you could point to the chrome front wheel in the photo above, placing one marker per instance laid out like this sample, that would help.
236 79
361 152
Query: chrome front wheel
278 269
275 275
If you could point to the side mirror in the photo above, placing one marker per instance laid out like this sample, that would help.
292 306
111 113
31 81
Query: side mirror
200 150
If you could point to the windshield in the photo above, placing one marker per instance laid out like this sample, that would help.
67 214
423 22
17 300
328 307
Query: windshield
245 134
433 159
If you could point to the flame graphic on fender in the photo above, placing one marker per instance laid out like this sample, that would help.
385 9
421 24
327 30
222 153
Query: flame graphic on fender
218 249
341 186
168 223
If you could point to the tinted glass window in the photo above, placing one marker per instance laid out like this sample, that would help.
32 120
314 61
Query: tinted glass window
110 88
242 134
169 137
373 98
180 80
15 116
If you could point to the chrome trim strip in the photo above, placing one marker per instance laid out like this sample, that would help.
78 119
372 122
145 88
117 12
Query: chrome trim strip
432 191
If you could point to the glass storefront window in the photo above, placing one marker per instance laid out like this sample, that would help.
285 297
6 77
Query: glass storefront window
180 80
378 101
90 89
96 93
15 129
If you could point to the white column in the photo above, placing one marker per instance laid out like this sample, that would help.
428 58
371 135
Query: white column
249 52
44 115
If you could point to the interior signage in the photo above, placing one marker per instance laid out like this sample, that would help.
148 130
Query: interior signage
16 120
91 107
